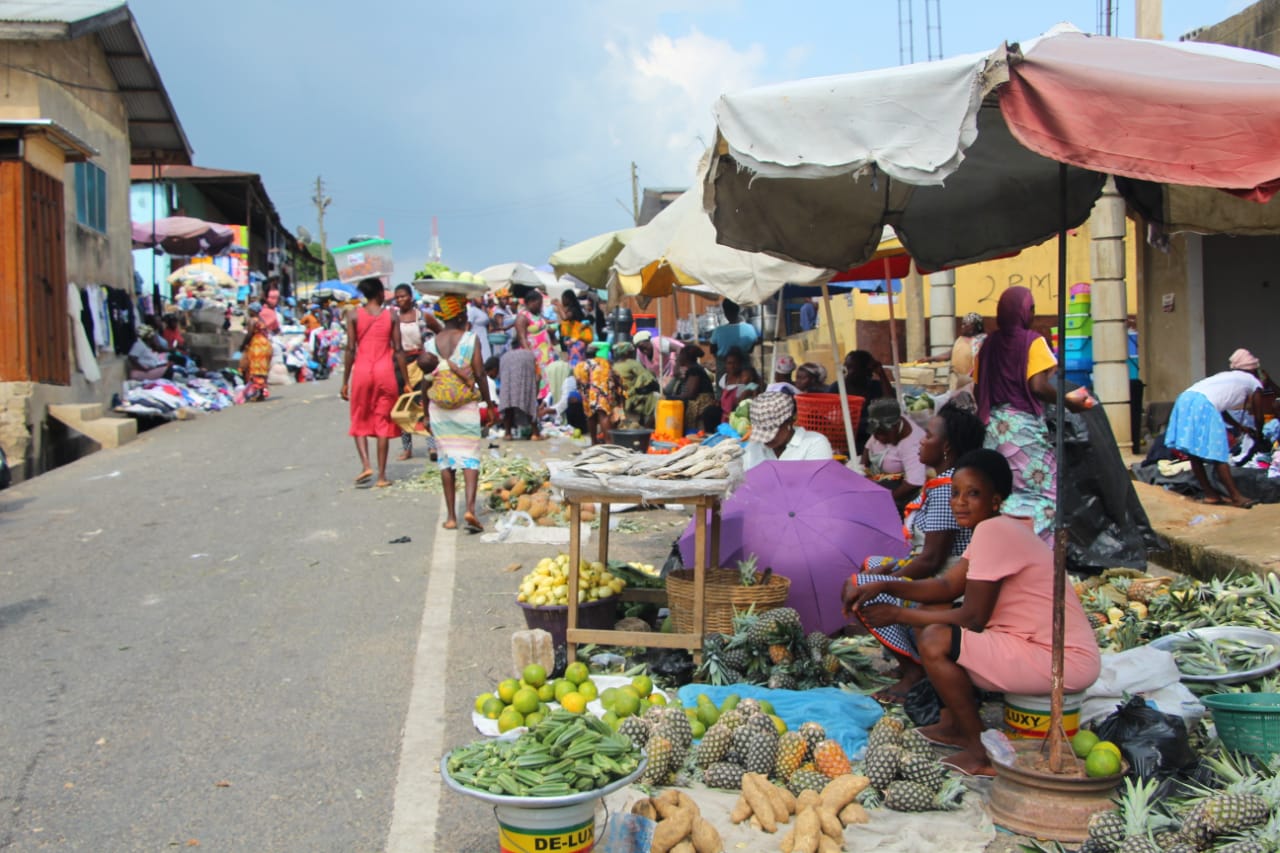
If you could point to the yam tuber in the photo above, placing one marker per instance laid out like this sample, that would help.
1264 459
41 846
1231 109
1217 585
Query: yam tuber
685 846
672 830
843 790
806 800
830 823
741 810
854 813
706 839
826 844
788 842
787 797
808 830
645 808
753 787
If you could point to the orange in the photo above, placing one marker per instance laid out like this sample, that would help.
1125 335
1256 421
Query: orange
574 703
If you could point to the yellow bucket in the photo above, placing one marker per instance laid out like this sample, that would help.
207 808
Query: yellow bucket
669 420
1028 716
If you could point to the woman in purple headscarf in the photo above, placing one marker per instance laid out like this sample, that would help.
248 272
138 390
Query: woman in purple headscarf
1013 383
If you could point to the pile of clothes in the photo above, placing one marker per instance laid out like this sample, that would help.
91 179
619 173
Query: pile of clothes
207 392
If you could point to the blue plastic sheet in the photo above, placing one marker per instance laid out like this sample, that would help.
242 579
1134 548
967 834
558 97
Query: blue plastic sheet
846 716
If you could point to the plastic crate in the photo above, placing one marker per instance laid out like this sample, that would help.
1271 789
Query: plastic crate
821 413
1077 353
1247 722
1080 377
1079 325
365 259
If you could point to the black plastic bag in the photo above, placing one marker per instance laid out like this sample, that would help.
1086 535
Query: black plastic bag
674 562
922 703
1154 743
673 666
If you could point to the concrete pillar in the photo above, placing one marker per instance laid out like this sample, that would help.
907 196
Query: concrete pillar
942 312
1109 309
1148 19
913 288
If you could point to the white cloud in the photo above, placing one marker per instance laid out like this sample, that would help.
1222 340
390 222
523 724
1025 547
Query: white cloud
663 93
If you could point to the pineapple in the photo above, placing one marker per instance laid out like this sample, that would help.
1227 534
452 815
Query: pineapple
661 762
1244 845
747 570
736 657
780 653
831 760
674 724
731 719
887 730
904 796
761 752
637 729
923 769
749 708
793 749
780 678
1138 844
818 643
724 774
1131 824
914 742
713 747
806 780
813 734
1106 830
949 795
1223 813
882 763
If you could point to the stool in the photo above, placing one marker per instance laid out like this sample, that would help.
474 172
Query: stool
1028 716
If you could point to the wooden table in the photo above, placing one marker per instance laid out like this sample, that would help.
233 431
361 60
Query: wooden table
703 505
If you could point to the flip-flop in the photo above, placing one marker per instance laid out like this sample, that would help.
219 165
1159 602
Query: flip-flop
1248 504
890 697
473 523
364 478
936 742
382 484
952 766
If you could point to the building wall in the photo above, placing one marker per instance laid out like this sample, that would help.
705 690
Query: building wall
1242 299
99 118
1256 28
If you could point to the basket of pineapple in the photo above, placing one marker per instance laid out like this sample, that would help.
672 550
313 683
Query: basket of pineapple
727 590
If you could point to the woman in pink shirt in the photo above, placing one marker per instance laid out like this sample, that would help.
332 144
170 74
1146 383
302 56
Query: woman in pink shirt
998 639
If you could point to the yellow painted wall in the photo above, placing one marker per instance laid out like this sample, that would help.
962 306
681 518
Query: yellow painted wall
978 288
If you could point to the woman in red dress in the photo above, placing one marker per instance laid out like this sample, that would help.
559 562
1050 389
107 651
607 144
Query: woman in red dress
369 377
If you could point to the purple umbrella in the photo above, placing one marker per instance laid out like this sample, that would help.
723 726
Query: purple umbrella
813 522
183 235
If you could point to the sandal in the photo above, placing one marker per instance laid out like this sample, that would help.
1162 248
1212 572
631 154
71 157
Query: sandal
382 484
364 477
473 523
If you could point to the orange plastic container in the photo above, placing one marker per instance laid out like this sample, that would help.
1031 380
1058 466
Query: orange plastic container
669 419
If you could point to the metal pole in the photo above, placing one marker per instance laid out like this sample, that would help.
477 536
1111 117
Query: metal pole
1056 734
893 333
844 394
155 285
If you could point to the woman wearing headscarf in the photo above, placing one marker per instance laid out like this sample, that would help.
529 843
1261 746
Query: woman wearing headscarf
453 407
639 386
369 377
518 377
1013 382
533 333
599 389
415 327
964 352
811 378
1198 424
255 364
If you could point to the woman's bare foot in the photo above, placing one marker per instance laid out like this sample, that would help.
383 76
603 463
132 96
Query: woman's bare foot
405 456
473 523
970 763
1243 503
896 693
382 484
451 524
944 735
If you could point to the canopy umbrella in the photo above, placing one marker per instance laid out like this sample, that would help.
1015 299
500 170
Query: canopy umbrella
975 156
589 260
202 274
183 235
814 522
510 276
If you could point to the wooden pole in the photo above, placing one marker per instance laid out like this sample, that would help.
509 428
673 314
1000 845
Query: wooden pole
1056 734
844 394
893 333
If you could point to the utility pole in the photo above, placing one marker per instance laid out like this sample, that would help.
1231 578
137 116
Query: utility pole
635 193
322 202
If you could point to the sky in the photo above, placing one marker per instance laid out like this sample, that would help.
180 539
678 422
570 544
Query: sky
516 123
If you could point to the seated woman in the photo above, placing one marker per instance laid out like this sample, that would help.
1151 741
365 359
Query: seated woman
891 456
999 638
639 387
937 540
739 382
692 385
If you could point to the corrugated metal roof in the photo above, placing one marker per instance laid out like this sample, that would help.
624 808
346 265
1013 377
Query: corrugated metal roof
55 11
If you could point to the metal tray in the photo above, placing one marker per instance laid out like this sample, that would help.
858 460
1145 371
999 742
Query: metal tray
1249 635
541 802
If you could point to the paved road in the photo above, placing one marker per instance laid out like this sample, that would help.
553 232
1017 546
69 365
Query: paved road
207 638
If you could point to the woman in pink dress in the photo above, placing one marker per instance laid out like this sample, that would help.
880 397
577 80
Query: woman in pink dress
999 638
369 377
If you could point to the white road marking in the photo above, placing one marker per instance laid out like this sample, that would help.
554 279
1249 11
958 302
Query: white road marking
418 785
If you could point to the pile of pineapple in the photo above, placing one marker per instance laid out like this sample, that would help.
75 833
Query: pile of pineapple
772 648
1240 815
905 771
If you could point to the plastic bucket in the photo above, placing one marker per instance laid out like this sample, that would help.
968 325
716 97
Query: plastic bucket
565 829
669 420
1028 716
554 618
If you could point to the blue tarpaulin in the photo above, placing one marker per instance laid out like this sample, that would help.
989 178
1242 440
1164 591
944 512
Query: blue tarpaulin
846 717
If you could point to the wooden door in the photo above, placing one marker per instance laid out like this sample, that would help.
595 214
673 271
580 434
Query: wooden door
34 330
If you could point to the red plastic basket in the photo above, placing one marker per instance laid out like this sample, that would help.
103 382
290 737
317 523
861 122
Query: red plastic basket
821 413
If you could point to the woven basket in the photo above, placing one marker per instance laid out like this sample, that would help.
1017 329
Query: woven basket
723 595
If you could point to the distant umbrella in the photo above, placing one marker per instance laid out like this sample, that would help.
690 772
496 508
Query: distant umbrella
202 274
813 522
183 236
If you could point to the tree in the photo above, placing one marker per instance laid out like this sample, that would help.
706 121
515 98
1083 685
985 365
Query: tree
330 265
